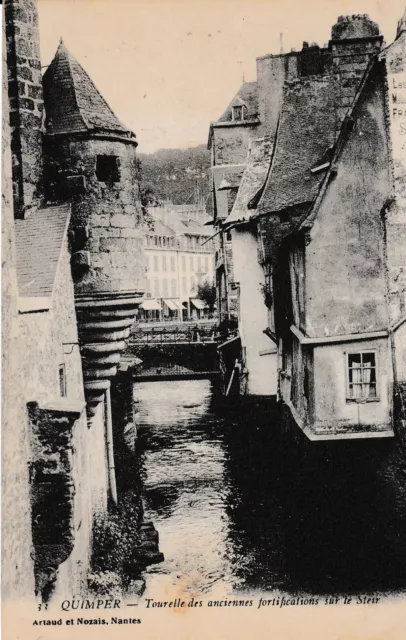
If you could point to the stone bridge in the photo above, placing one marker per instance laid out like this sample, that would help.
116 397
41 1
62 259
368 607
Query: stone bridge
168 351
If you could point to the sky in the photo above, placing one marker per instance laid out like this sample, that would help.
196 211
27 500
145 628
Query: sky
168 68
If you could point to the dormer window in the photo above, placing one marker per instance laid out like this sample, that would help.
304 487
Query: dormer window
238 113
107 169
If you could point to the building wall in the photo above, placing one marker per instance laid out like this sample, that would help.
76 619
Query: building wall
346 248
176 274
26 100
48 340
17 565
253 316
332 413
112 213
230 143
396 213
272 71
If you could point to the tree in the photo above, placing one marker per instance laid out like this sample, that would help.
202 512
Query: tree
207 293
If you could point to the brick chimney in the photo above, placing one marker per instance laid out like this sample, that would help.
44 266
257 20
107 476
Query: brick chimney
354 41
26 101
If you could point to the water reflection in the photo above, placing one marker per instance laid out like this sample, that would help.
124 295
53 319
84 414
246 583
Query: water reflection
242 501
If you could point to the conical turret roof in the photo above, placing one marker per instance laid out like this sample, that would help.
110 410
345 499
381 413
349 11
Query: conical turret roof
72 102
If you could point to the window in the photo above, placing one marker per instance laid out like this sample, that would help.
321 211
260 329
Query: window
206 264
157 288
361 376
147 262
228 236
191 267
184 286
183 263
199 264
173 289
62 380
165 288
237 113
155 263
172 263
163 263
107 169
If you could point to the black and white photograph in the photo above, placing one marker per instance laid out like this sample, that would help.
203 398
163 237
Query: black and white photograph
204 319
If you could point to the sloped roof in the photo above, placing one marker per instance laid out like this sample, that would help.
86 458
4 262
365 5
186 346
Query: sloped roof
248 95
161 228
72 102
306 131
39 239
254 177
184 225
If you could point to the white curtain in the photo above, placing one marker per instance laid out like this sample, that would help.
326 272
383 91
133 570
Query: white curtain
356 381
366 379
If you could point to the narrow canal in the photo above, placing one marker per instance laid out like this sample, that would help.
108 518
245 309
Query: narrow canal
242 502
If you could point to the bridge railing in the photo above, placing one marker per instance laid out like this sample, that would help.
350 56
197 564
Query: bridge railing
173 335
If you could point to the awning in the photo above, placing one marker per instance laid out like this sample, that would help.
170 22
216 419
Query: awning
199 304
173 304
150 305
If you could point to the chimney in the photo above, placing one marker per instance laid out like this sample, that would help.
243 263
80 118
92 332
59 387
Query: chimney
26 101
354 41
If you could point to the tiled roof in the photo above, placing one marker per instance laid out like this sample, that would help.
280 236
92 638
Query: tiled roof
252 180
184 225
39 241
72 102
161 228
248 95
306 131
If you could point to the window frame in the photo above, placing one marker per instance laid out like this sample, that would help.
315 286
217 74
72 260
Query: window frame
361 352
108 166
239 107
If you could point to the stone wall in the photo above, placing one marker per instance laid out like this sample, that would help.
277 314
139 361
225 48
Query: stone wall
107 219
76 469
26 100
17 566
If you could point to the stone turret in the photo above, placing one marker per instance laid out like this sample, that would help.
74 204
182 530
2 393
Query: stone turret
26 101
91 162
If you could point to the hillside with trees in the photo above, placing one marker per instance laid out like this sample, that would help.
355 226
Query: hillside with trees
176 174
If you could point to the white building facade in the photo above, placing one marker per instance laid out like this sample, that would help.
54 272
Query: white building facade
179 256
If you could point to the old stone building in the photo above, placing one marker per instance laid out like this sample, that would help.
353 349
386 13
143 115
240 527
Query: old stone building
321 198
73 279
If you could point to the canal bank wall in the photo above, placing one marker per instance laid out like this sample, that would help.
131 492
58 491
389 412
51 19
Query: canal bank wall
124 544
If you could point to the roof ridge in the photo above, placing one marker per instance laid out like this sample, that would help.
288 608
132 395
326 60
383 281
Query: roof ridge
68 57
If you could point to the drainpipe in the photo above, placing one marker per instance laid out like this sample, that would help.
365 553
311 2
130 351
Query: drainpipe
109 447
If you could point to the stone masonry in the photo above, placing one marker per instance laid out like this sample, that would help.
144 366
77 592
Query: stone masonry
26 101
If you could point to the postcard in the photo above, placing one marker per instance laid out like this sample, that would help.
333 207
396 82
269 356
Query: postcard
204 319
